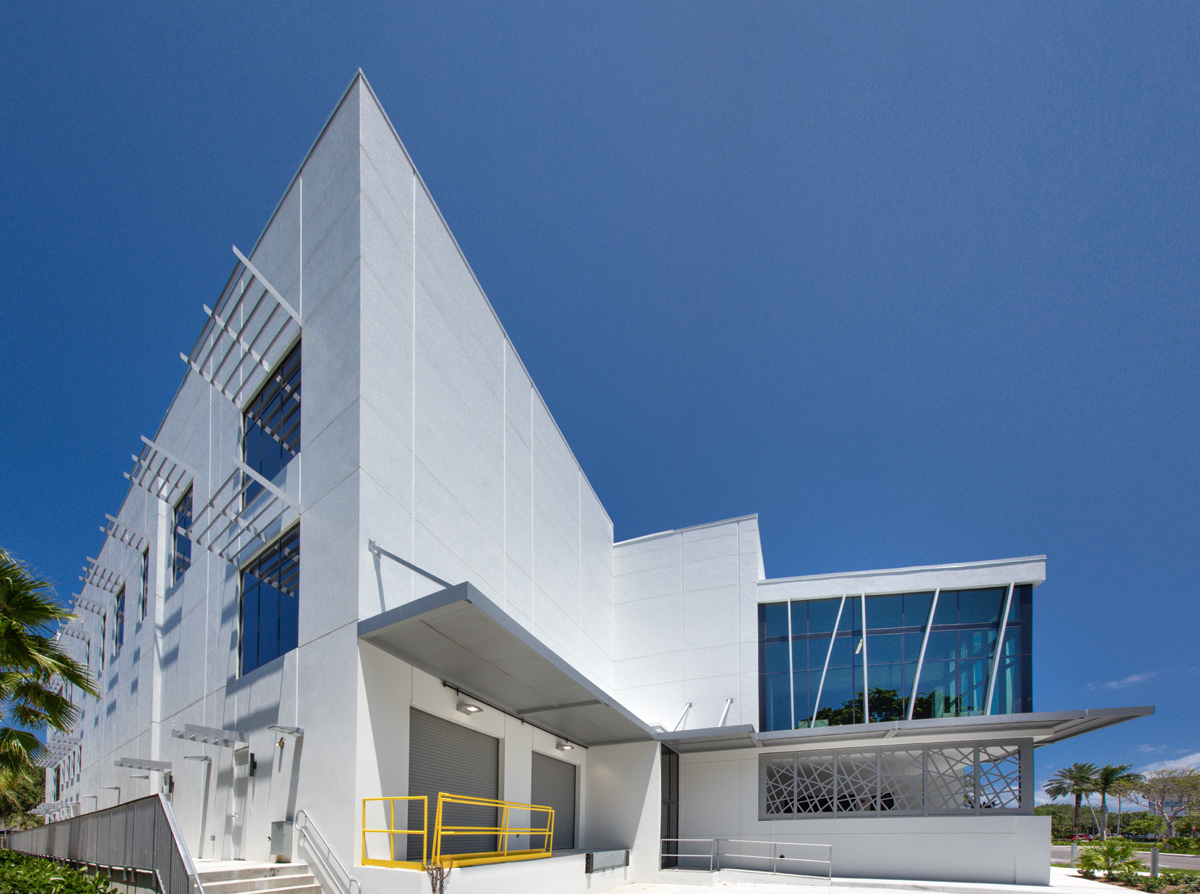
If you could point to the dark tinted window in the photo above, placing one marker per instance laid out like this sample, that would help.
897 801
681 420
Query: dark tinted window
272 423
182 552
270 592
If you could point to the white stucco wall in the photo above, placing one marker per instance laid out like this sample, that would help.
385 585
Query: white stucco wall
686 623
719 798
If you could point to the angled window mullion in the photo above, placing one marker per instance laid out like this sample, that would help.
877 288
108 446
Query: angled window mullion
998 651
828 654
912 702
866 703
791 647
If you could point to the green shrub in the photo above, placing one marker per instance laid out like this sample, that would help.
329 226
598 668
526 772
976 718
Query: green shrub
1111 857
23 874
1179 845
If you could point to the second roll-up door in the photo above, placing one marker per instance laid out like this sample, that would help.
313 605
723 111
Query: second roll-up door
554 786
447 757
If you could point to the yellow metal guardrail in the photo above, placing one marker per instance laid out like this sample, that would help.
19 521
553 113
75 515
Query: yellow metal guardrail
505 851
391 832
505 836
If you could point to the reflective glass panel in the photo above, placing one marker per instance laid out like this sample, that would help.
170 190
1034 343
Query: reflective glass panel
271 426
958 657
269 606
182 544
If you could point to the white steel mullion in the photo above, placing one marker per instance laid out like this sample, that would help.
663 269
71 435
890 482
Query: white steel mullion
991 686
912 702
828 653
791 670
866 701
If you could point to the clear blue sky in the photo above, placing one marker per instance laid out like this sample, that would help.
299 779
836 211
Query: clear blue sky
917 284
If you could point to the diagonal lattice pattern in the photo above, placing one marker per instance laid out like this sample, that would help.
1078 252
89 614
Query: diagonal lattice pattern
950 780
857 781
999 777
780 780
815 783
902 781
930 780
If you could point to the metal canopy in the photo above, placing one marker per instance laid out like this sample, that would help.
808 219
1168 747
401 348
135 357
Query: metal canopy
245 334
461 636
207 735
718 738
1043 727
140 763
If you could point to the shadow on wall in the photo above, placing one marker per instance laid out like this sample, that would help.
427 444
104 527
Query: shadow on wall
619 782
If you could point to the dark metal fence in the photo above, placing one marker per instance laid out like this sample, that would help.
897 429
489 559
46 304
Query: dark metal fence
139 837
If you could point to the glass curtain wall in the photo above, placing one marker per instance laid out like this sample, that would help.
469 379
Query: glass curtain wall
855 658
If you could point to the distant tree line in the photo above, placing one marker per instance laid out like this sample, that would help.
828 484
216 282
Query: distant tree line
1171 799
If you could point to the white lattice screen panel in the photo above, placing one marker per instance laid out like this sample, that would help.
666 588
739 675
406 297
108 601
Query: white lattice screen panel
913 781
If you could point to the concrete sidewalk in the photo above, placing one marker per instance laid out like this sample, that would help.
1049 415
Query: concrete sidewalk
1062 881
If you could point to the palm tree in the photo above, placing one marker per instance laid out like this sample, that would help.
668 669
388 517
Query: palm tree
1108 777
33 667
1110 857
1078 780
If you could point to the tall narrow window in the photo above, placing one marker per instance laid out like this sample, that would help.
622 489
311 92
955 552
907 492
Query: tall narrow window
119 626
271 424
269 613
103 637
145 581
182 544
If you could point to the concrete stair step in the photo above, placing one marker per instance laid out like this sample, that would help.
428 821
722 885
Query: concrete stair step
225 873
272 883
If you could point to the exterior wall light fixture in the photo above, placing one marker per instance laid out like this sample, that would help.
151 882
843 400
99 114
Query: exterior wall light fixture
468 707
564 745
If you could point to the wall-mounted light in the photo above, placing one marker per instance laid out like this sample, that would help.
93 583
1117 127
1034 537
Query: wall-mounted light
468 707
564 745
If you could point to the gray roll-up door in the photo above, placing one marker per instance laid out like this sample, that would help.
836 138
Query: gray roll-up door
446 757
554 786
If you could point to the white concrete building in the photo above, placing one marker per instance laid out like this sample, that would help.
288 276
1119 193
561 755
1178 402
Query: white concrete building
398 581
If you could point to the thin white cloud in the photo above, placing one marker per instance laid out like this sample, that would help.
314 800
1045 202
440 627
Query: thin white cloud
1189 761
1125 682
1151 749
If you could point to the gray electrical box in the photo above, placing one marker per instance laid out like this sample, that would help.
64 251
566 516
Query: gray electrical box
281 838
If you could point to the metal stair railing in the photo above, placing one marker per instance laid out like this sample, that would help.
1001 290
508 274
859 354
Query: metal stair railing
308 835
773 858
140 836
